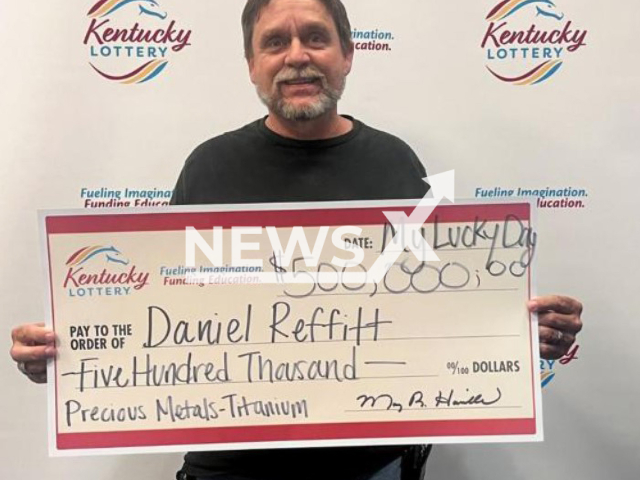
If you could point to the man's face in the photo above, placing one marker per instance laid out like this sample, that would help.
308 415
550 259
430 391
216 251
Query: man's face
298 66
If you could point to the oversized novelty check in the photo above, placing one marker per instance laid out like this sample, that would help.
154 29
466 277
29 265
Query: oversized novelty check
243 327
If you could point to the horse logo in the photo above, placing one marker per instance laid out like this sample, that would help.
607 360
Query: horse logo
109 254
507 8
549 12
145 7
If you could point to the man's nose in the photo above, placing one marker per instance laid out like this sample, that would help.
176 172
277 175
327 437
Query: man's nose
297 54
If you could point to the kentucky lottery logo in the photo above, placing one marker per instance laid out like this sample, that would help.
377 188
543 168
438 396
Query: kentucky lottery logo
527 41
130 41
548 368
102 271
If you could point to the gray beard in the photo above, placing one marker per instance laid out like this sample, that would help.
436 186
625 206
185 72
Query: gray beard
327 100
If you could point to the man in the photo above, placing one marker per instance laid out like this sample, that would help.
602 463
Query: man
299 53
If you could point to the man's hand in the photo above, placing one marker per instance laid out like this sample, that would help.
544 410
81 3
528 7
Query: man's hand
558 324
32 345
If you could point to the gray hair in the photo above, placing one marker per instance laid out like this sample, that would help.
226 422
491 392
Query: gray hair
336 9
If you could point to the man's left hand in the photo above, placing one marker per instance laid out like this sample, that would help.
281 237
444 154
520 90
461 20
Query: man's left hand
558 324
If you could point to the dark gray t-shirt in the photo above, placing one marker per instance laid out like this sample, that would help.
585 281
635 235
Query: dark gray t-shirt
255 165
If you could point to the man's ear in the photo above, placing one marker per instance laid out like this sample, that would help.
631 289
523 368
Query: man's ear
349 59
251 65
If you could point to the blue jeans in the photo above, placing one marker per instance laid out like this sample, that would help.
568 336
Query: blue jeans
388 472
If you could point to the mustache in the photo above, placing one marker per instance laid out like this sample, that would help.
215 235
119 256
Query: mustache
287 74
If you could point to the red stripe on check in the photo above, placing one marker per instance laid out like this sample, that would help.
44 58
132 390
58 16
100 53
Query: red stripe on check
145 222
192 436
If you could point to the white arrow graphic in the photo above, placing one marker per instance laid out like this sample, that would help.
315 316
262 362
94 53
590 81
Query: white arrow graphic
408 228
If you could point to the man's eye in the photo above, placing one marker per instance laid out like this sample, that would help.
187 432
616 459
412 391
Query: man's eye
316 38
274 43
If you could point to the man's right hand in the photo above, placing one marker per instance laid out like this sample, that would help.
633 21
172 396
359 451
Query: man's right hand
32 345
